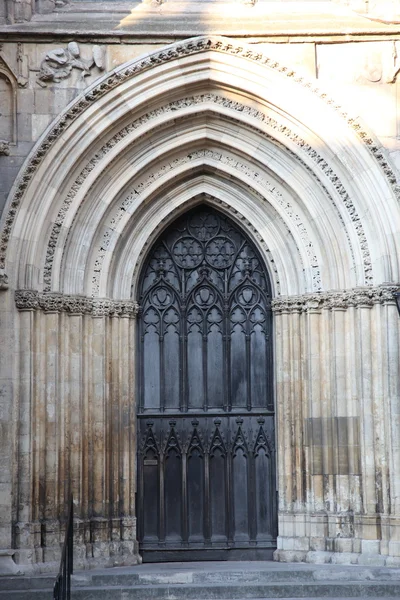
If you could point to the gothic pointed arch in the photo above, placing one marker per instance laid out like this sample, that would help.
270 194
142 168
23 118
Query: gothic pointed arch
290 164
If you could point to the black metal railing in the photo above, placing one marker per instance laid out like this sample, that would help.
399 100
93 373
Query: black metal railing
62 586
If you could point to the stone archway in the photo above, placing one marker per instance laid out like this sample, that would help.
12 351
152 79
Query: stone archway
204 118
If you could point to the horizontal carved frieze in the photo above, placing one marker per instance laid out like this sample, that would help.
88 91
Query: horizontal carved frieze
97 307
53 302
358 297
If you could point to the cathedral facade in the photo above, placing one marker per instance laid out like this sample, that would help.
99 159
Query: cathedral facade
199 263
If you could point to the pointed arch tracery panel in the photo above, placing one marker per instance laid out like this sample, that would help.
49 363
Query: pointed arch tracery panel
205 325
205 377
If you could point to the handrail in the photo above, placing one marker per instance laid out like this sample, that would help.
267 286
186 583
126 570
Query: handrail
62 586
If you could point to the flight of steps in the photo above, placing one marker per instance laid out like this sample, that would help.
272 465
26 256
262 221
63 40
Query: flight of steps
214 581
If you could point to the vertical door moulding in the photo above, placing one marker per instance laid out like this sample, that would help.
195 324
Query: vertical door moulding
49 320
99 472
315 431
353 385
50 323
114 424
286 429
87 415
366 409
340 409
62 404
133 431
126 417
326 414
101 444
392 336
297 409
24 500
381 433
75 405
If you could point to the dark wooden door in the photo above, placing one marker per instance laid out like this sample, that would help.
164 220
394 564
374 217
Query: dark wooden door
206 458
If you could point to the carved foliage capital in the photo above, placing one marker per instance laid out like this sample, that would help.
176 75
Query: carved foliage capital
27 299
54 302
365 297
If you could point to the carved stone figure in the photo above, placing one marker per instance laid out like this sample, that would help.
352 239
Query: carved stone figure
58 63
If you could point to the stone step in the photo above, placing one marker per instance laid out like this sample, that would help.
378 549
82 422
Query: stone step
227 591
127 578
248 576
214 581
38 582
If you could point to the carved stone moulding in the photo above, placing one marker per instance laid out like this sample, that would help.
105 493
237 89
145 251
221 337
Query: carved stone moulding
243 170
176 51
257 116
54 302
4 148
3 281
362 297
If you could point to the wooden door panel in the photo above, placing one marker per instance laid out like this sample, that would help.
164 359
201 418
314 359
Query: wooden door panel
206 459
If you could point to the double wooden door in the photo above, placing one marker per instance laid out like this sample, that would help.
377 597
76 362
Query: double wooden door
206 452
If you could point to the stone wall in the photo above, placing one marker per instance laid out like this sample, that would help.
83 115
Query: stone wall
338 414
76 430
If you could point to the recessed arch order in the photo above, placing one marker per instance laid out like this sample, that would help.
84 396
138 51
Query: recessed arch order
206 118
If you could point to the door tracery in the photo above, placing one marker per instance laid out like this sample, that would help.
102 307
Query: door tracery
205 392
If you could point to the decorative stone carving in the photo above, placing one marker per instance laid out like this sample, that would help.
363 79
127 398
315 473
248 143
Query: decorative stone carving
225 159
259 116
27 299
4 148
175 51
58 63
356 297
235 106
3 281
56 302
